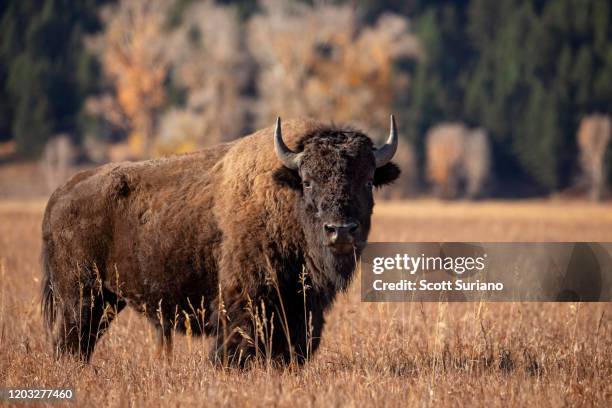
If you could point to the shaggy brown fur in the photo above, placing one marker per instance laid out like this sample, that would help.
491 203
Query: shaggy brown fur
163 236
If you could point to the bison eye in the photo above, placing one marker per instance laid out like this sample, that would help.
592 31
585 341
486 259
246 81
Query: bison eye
307 184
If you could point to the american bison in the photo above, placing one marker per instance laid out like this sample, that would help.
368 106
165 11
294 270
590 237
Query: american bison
269 225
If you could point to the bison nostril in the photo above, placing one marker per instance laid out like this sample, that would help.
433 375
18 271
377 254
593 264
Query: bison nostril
341 233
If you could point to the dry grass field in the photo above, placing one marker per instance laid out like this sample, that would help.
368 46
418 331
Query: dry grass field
413 354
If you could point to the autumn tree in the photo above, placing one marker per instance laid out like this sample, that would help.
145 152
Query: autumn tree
593 138
210 63
133 53
456 156
321 61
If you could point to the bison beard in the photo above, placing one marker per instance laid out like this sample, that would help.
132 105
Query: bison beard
220 242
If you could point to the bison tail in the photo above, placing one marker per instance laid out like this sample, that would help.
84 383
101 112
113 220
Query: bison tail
48 299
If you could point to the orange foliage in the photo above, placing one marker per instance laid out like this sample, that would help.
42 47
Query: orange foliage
135 63
593 139
319 61
454 154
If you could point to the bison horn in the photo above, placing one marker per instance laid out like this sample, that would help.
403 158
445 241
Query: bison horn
385 153
285 155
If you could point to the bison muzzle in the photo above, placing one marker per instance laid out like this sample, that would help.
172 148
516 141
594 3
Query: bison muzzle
265 230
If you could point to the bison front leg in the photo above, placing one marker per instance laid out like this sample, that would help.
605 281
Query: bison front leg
233 343
265 329
232 350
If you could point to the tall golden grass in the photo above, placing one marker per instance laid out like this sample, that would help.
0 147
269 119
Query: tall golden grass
425 354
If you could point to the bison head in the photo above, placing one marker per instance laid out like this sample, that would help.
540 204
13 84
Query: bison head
335 172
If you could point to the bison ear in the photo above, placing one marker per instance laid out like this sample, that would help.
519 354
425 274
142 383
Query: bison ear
288 178
386 174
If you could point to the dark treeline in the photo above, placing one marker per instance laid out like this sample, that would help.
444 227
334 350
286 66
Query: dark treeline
45 74
525 70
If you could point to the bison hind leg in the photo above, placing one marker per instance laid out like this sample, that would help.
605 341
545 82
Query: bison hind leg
85 321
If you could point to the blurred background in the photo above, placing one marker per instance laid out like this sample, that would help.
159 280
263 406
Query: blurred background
495 99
